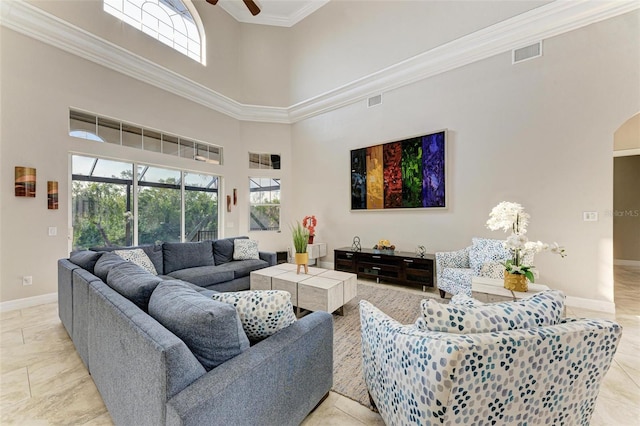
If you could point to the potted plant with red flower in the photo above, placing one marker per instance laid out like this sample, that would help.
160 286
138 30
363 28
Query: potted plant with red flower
309 223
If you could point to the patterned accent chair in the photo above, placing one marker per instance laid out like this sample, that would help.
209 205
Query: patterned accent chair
455 269
541 375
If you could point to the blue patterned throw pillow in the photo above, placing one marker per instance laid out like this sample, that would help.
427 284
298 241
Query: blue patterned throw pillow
541 309
244 249
262 312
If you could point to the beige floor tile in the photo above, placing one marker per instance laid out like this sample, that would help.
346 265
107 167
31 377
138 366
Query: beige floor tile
617 384
102 420
14 357
48 332
40 314
358 411
331 416
11 338
14 387
614 412
53 376
73 406
631 365
11 320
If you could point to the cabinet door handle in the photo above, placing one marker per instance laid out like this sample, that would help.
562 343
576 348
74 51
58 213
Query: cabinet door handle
349 255
375 268
408 260
376 257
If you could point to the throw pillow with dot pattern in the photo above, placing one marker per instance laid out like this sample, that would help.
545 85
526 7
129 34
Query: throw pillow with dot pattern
541 309
262 312
139 257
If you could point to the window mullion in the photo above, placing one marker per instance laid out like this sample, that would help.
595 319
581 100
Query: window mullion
135 204
183 226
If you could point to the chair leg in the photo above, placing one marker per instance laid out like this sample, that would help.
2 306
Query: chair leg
372 402
442 294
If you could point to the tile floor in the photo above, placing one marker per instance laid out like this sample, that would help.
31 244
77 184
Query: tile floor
43 381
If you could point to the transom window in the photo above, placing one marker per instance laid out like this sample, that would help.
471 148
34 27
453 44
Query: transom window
169 21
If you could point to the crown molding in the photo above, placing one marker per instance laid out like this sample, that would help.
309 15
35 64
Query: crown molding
33 22
543 22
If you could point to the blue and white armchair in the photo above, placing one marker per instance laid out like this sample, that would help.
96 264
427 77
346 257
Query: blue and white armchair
543 375
455 269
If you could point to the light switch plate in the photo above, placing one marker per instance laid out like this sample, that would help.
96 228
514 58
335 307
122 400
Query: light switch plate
590 216
53 231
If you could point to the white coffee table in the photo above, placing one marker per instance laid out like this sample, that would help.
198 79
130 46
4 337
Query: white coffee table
492 290
319 290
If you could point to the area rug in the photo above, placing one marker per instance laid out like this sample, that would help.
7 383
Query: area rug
400 305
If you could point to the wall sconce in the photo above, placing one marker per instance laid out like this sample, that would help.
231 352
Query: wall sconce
235 196
229 203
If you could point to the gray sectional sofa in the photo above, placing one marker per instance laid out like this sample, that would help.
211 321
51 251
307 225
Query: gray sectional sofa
146 374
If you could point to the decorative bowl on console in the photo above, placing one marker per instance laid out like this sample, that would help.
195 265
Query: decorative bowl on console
384 247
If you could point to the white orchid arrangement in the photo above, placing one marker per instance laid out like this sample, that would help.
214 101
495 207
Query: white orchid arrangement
508 216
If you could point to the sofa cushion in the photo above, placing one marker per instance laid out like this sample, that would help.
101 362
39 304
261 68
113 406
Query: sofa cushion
133 282
262 312
223 249
204 276
186 255
138 257
211 329
242 268
244 249
463 275
541 309
105 263
486 250
86 259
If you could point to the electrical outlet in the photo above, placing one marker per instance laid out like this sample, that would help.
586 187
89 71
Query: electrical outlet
590 216
27 280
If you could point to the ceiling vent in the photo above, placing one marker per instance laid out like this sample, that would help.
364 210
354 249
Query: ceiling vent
527 52
374 100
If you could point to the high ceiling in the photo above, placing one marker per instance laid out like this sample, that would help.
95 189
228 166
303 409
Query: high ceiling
282 13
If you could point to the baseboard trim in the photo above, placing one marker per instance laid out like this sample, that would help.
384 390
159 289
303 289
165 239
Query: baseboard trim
28 302
623 262
591 304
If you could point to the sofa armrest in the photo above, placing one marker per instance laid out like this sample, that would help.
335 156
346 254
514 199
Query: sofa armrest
452 259
277 381
269 257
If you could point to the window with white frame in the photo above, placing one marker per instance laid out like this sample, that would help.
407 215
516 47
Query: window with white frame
169 21
264 204
168 205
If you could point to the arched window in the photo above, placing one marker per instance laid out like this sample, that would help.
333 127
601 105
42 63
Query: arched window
173 22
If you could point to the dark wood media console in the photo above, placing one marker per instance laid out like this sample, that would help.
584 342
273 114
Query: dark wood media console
400 267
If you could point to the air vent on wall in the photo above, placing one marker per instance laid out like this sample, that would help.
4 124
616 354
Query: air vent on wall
374 100
527 52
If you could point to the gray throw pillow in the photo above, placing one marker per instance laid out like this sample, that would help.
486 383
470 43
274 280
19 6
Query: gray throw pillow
212 330
105 263
133 282
223 249
187 255
86 259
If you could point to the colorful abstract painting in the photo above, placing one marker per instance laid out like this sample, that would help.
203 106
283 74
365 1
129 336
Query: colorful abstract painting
52 195
405 174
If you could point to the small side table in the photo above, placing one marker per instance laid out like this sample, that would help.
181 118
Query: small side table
492 290
316 251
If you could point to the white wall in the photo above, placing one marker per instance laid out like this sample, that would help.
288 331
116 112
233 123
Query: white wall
539 133
39 85
346 40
